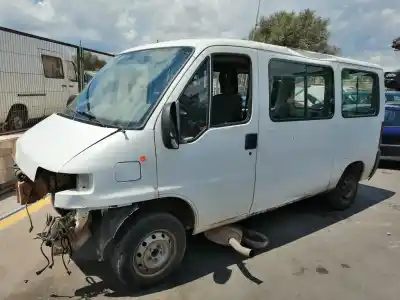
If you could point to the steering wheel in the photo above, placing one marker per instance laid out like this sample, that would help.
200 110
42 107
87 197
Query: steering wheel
188 115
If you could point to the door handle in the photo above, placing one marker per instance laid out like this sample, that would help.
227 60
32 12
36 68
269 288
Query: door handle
251 141
71 85
64 85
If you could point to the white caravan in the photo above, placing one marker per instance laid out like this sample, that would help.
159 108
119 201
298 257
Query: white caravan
148 153
37 76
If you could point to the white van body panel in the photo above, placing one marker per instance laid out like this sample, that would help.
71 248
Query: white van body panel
119 176
22 80
221 181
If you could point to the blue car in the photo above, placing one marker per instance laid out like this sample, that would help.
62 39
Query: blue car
390 143
392 97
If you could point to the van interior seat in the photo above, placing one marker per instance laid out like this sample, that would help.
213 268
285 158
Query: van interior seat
227 106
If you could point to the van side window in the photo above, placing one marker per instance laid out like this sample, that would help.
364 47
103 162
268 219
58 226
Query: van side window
231 101
52 67
71 71
194 104
300 92
320 92
360 93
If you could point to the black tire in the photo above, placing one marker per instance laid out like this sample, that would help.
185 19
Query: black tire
345 192
125 259
16 120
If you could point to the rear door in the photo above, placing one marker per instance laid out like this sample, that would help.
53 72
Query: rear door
55 81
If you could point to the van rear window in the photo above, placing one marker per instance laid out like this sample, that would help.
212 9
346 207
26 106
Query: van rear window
360 93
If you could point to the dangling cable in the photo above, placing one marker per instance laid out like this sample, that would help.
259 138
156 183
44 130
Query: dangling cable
29 216
45 256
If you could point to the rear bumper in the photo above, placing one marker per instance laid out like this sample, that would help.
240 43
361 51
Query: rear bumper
390 152
376 164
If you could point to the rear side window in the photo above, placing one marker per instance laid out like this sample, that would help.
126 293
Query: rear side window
52 67
360 93
392 118
72 73
300 92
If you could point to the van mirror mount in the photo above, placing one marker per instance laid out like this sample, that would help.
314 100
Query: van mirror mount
169 126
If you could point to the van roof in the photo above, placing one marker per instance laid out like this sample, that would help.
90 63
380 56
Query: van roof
202 43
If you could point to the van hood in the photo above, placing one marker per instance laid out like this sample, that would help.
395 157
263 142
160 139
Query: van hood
54 141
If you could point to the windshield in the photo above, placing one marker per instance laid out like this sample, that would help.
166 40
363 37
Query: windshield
123 93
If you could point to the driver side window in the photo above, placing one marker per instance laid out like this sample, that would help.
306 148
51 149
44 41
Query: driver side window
194 104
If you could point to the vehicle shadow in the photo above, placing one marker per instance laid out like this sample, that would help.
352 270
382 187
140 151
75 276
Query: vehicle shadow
282 226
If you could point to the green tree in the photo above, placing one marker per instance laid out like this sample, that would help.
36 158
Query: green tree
91 62
304 30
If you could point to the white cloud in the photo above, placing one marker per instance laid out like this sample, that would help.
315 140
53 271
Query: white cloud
361 28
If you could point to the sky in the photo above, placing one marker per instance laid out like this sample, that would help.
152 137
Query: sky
363 29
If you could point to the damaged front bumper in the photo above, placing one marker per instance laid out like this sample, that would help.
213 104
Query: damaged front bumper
64 235
70 229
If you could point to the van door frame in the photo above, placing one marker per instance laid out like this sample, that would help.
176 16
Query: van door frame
231 204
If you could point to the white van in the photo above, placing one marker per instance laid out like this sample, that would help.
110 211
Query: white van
147 153
37 77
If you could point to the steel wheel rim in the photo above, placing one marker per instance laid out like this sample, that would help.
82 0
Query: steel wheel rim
17 122
154 253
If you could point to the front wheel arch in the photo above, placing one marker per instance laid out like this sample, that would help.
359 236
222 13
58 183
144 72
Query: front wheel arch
110 227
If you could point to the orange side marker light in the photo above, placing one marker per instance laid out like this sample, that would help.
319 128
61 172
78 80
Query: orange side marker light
143 158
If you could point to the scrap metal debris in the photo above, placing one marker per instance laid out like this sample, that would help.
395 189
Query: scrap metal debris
56 235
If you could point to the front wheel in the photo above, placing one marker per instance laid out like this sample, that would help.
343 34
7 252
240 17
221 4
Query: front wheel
151 250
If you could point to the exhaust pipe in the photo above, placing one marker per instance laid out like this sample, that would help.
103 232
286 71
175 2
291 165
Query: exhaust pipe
232 236
240 249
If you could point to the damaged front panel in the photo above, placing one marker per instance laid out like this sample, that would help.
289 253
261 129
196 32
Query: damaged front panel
45 182
111 222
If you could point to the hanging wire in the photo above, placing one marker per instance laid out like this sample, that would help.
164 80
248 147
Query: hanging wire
57 229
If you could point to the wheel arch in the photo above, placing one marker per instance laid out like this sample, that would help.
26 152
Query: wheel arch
112 225
358 167
17 107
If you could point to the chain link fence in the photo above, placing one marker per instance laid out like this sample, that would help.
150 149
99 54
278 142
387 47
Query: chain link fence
38 76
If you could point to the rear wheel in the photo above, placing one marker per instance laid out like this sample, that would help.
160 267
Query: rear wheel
16 119
150 251
344 195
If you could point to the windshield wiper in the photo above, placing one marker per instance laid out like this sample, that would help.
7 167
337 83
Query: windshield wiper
90 116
